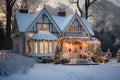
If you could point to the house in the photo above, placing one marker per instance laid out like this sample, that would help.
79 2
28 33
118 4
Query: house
38 34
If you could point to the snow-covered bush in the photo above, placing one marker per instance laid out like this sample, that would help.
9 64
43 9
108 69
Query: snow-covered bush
118 55
12 63
108 56
65 56
97 59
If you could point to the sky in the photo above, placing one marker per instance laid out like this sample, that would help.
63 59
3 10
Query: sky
57 3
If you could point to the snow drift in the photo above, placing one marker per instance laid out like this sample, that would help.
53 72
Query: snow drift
11 63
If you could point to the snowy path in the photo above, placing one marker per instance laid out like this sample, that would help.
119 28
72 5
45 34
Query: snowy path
109 71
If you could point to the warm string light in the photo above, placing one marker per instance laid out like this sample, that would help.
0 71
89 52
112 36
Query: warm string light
84 44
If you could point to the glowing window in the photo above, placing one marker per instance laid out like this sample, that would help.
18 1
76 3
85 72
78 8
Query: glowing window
39 27
45 27
51 49
35 47
69 29
46 46
55 44
75 29
41 46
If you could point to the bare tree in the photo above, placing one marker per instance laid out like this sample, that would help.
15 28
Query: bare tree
31 4
88 3
2 36
8 7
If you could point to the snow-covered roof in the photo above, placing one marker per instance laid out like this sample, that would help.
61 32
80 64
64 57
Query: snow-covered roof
93 41
87 25
24 20
46 35
75 37
62 22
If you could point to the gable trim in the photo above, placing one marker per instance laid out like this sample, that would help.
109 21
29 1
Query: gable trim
72 19
69 23
83 25
44 10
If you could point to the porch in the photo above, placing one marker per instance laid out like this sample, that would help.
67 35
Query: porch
76 47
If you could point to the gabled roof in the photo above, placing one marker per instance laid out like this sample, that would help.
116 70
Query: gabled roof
62 22
85 22
25 21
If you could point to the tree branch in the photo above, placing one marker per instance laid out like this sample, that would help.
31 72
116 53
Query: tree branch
36 7
90 3
82 14
12 3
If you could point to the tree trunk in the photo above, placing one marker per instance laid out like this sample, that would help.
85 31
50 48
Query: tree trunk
8 41
86 8
80 10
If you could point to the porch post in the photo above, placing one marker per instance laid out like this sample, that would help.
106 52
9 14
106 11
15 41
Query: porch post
53 47
32 47
48 47
38 44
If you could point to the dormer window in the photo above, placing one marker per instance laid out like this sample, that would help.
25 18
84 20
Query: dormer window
75 29
45 27
39 26
70 29
42 27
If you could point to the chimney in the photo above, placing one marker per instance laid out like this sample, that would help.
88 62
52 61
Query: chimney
62 12
24 9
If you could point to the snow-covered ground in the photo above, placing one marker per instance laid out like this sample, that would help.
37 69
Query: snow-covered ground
108 71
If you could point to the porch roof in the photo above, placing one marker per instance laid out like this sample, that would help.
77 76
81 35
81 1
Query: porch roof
93 41
44 35
71 37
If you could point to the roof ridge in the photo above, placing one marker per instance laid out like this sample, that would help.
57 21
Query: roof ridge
69 18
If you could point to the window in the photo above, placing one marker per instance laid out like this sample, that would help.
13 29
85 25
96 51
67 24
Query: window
39 27
51 47
41 46
72 29
75 29
69 29
35 47
46 47
45 27
42 27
